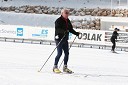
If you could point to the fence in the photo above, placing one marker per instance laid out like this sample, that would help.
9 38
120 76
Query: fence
42 35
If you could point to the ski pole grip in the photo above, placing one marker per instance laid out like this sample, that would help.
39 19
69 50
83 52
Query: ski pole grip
66 31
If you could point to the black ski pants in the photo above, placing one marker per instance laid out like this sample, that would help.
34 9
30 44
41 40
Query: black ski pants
63 46
114 44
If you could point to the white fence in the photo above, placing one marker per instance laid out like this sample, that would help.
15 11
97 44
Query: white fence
93 37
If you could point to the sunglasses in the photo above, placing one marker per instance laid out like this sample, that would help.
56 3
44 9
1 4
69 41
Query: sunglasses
66 12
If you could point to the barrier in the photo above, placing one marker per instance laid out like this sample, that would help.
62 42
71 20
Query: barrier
26 32
89 37
94 37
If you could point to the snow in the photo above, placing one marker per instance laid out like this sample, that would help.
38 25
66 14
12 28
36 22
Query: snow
39 20
44 19
20 62
54 3
67 3
27 19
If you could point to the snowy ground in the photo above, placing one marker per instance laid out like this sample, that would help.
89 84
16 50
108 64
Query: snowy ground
54 3
25 19
67 3
20 62
48 20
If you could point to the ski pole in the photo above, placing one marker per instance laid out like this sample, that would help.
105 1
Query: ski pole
69 49
51 54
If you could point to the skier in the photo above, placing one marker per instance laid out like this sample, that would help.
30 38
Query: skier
62 28
114 39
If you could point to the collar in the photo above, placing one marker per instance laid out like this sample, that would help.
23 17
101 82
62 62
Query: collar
63 18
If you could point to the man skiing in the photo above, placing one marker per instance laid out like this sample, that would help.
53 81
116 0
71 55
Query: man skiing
114 39
62 28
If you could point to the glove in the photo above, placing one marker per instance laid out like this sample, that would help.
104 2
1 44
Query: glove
77 33
57 37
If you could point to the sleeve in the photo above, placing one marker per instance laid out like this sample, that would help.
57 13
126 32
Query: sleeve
58 27
73 31
115 34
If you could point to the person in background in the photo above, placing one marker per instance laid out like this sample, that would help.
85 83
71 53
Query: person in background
62 28
114 39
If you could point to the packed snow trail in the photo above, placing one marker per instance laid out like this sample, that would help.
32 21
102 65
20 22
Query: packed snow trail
19 63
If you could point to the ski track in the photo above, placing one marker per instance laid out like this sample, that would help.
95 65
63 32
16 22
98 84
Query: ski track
20 62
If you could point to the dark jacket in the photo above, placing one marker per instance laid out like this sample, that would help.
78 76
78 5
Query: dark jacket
114 35
63 27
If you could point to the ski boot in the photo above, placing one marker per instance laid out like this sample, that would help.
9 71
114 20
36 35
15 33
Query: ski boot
66 70
56 70
113 51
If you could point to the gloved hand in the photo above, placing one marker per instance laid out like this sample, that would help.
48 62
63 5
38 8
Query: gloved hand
77 33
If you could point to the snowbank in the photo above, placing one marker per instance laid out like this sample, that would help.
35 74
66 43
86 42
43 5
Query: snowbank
85 22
